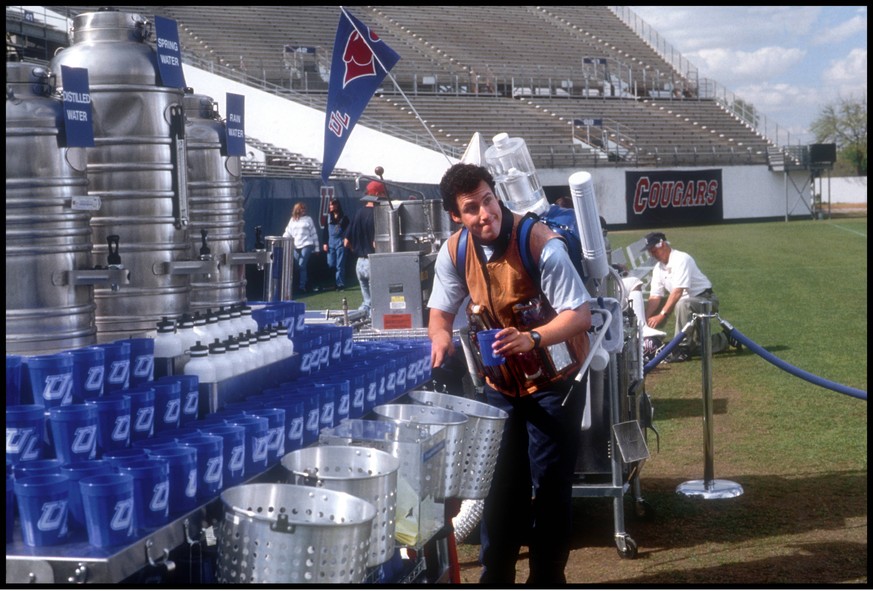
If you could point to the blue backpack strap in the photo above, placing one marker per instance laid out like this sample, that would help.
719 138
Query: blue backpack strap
461 256
525 227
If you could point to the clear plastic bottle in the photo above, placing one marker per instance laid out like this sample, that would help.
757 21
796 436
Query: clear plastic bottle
515 176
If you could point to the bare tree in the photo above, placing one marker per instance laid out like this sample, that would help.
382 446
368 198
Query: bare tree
844 122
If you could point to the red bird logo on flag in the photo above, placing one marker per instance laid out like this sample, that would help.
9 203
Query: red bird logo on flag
359 58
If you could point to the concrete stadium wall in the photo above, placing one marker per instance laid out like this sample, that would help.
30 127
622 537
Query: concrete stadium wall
849 189
749 192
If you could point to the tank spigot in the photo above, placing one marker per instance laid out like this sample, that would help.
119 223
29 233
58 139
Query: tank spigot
205 253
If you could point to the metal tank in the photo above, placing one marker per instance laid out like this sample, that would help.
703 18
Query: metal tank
411 226
45 237
136 168
215 204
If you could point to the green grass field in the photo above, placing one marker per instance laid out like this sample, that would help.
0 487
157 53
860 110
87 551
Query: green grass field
799 290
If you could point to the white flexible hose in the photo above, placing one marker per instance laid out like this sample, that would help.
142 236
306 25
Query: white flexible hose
467 518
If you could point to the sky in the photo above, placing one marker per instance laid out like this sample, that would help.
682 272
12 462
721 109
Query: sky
787 61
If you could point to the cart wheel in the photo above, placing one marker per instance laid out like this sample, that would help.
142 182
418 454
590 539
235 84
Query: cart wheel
643 510
626 546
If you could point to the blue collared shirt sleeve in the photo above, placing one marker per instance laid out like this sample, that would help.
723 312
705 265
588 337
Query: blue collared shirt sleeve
561 283
449 290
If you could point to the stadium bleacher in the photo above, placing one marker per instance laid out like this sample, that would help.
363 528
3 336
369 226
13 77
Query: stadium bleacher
531 71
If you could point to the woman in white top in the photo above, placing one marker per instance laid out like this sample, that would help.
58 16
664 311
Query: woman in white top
302 229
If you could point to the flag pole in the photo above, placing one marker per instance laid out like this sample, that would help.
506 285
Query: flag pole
397 86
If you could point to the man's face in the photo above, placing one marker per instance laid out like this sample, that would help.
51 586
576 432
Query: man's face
480 213
660 252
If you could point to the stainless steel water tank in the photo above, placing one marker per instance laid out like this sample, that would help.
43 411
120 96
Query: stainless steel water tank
411 226
45 236
132 168
215 203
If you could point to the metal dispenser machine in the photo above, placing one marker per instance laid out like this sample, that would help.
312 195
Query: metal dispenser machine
409 232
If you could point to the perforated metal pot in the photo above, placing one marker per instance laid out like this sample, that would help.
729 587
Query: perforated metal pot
481 439
455 424
286 533
369 474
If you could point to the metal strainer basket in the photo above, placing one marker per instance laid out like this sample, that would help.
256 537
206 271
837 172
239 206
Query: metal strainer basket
369 474
286 533
481 439
455 424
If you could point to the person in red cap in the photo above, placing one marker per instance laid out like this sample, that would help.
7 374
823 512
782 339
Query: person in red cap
361 239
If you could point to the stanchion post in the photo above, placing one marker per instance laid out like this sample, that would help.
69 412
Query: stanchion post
709 487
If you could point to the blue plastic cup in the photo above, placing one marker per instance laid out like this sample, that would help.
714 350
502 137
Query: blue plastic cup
210 464
113 422
37 468
51 379
75 472
88 369
25 433
14 363
257 436
151 490
182 462
117 366
486 340
294 417
74 432
328 399
234 450
357 393
42 509
168 405
142 360
142 412
110 514
276 431
189 395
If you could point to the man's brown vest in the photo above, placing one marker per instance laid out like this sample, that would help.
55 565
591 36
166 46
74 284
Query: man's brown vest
503 284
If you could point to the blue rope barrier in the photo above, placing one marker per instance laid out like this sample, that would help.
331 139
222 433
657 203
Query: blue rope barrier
761 352
805 375
668 348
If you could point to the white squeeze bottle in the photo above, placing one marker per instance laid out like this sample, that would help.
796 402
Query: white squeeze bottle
186 332
223 366
239 364
200 365
168 346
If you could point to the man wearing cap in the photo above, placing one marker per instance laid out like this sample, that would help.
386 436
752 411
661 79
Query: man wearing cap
686 288
361 239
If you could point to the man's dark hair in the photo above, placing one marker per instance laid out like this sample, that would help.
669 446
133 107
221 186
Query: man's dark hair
462 178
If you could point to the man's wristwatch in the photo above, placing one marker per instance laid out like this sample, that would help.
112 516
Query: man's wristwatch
536 338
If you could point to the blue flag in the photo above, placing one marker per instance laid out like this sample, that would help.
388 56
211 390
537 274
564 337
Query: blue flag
360 62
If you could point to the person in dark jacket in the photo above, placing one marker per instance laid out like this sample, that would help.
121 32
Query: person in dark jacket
333 239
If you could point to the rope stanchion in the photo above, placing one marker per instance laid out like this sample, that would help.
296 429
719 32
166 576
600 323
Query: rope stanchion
805 375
